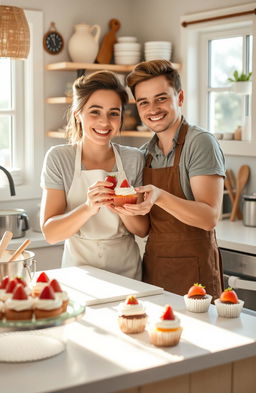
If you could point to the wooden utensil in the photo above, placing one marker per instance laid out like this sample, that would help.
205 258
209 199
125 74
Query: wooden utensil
19 250
230 185
5 241
105 53
242 178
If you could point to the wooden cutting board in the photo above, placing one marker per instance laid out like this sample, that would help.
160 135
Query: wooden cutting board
106 50
95 286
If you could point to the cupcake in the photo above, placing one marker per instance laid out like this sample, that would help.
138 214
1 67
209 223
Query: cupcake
47 305
10 289
197 299
1 310
41 282
3 286
132 317
124 194
167 330
228 305
60 294
20 306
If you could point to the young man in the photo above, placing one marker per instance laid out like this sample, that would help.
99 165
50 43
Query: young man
183 186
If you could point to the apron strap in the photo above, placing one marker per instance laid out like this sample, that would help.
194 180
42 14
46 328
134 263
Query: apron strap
119 163
78 158
180 142
149 159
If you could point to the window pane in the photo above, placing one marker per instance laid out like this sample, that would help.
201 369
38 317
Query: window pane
226 112
5 83
225 56
250 52
5 141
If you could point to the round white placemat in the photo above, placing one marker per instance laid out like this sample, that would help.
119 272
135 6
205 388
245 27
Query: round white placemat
23 347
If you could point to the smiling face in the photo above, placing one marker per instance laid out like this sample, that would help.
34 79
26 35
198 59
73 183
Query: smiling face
101 117
159 105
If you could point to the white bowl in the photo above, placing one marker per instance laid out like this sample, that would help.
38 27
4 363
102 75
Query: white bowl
125 60
127 39
157 57
157 51
158 43
126 52
127 45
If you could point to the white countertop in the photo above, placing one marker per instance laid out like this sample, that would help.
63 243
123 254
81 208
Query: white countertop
235 236
37 240
99 358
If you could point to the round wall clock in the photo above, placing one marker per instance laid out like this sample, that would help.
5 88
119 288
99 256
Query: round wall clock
53 41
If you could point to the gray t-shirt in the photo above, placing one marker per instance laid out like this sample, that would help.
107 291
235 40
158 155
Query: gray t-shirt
59 165
201 155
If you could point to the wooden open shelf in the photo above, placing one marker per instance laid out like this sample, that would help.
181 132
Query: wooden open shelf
137 134
70 66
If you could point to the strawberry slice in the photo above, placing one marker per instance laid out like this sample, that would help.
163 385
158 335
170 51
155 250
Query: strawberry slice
21 281
4 282
125 184
19 293
168 314
229 296
111 179
197 289
11 285
131 300
47 293
55 285
43 278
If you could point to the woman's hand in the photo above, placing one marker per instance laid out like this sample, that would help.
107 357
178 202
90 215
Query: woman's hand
99 194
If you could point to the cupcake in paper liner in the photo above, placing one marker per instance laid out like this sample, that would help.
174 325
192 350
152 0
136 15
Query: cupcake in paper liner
124 193
197 300
166 332
228 305
132 317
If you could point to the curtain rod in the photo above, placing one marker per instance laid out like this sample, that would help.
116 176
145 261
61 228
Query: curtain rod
185 24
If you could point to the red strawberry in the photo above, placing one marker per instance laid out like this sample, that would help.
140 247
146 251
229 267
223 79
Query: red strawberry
21 281
168 313
197 289
55 286
111 179
4 282
125 184
43 278
11 285
47 293
229 296
19 293
131 300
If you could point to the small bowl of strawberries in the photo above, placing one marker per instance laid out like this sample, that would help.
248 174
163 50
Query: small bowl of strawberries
228 305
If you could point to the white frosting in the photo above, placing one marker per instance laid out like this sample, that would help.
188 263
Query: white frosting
168 323
1 306
39 286
125 191
20 305
47 304
131 309
62 295
7 296
2 292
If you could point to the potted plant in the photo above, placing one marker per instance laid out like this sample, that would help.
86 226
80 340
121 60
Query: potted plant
241 83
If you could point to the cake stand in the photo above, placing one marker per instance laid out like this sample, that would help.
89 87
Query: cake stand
24 341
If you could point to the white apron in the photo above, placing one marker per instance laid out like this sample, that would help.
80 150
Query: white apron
103 241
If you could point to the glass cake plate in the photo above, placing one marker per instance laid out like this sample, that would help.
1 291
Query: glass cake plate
73 313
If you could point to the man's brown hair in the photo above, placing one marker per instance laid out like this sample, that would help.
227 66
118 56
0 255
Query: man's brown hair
150 69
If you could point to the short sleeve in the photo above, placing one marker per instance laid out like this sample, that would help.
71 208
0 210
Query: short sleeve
140 167
51 176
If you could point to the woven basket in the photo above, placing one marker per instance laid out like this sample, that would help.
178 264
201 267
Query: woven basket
14 33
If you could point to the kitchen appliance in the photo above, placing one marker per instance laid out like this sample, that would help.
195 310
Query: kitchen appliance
15 221
249 210
24 267
240 273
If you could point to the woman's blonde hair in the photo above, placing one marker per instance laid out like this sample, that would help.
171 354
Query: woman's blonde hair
150 69
83 88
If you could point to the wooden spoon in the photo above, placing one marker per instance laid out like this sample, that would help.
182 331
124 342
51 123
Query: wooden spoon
19 250
242 178
5 241
230 186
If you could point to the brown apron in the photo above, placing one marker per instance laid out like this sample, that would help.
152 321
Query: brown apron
178 255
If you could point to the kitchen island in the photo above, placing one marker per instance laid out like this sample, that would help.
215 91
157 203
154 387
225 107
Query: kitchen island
214 355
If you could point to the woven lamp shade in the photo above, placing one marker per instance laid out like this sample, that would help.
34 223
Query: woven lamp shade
14 33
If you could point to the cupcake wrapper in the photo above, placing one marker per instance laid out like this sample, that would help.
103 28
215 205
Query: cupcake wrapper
228 310
165 339
197 305
121 200
132 325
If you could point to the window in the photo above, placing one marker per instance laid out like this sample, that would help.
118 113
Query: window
226 52
21 116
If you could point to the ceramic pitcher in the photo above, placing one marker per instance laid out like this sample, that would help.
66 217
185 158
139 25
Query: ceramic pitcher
83 46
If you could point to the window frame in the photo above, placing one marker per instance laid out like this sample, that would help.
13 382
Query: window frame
190 73
32 137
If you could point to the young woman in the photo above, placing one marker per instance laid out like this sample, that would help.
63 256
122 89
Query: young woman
77 201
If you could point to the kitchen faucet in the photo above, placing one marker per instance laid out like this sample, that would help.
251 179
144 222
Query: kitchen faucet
10 179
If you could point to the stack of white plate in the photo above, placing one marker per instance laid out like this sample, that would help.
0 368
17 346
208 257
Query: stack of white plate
127 51
155 50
